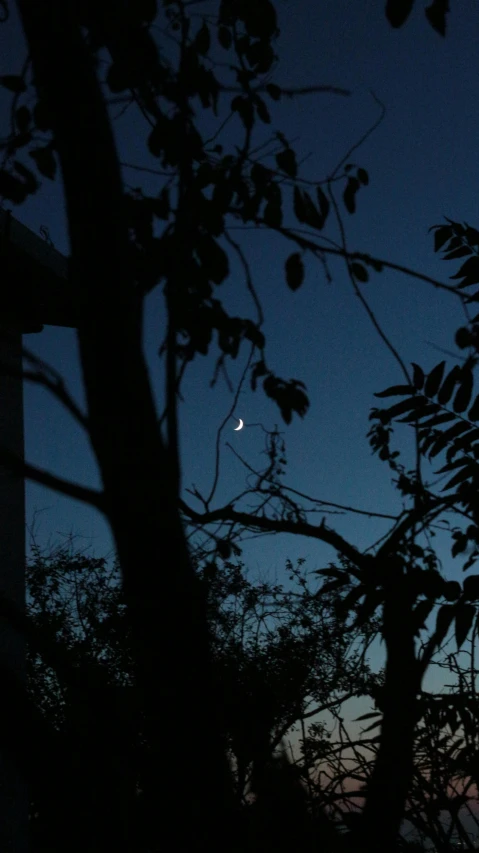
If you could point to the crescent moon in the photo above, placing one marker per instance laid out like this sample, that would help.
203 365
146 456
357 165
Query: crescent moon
240 425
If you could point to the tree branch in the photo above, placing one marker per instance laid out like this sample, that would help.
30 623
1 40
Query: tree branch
271 525
16 465
366 258
54 382
306 497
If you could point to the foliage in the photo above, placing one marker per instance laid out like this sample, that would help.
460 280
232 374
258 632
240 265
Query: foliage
178 237
443 411
278 653
215 186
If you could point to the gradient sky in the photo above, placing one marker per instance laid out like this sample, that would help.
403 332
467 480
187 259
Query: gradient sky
422 163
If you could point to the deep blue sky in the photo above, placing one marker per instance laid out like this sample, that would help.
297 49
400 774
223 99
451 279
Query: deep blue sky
423 164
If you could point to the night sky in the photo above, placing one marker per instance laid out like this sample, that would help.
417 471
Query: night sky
422 163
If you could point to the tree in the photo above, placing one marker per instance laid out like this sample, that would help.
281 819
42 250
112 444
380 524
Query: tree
121 420
290 644
116 258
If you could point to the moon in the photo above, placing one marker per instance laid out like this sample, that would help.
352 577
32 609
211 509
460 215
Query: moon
240 425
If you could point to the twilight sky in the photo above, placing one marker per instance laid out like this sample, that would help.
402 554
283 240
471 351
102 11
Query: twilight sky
422 163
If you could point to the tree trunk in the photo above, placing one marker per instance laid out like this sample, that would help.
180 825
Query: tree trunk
192 784
392 773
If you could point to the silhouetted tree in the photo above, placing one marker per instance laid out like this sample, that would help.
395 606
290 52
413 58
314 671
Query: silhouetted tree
280 657
117 257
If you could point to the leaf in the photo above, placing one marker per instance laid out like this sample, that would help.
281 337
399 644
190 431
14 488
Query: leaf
395 390
418 376
350 599
314 218
439 419
398 11
470 588
432 582
225 37
366 610
244 107
442 233
258 369
259 19
273 91
436 15
359 272
262 110
455 243
374 263
323 203
14 189
463 337
467 440
349 194
447 436
469 269
368 716
11 188
14 83
458 253
332 585
286 161
273 213
450 466
405 406
372 726
294 271
427 441
474 410
305 210
203 40
421 612
224 549
213 258
445 615
472 236
22 119
288 396
466 472
331 573
464 392
45 161
447 388
464 616
299 205
363 176
434 380
429 409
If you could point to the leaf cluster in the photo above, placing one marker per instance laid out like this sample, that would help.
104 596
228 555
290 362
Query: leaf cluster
398 11
182 244
441 405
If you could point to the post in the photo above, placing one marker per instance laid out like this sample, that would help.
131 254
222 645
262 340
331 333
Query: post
14 800
34 290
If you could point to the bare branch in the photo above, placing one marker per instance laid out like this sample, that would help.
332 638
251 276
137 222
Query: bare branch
225 421
301 528
17 465
369 260
50 378
306 497
292 92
